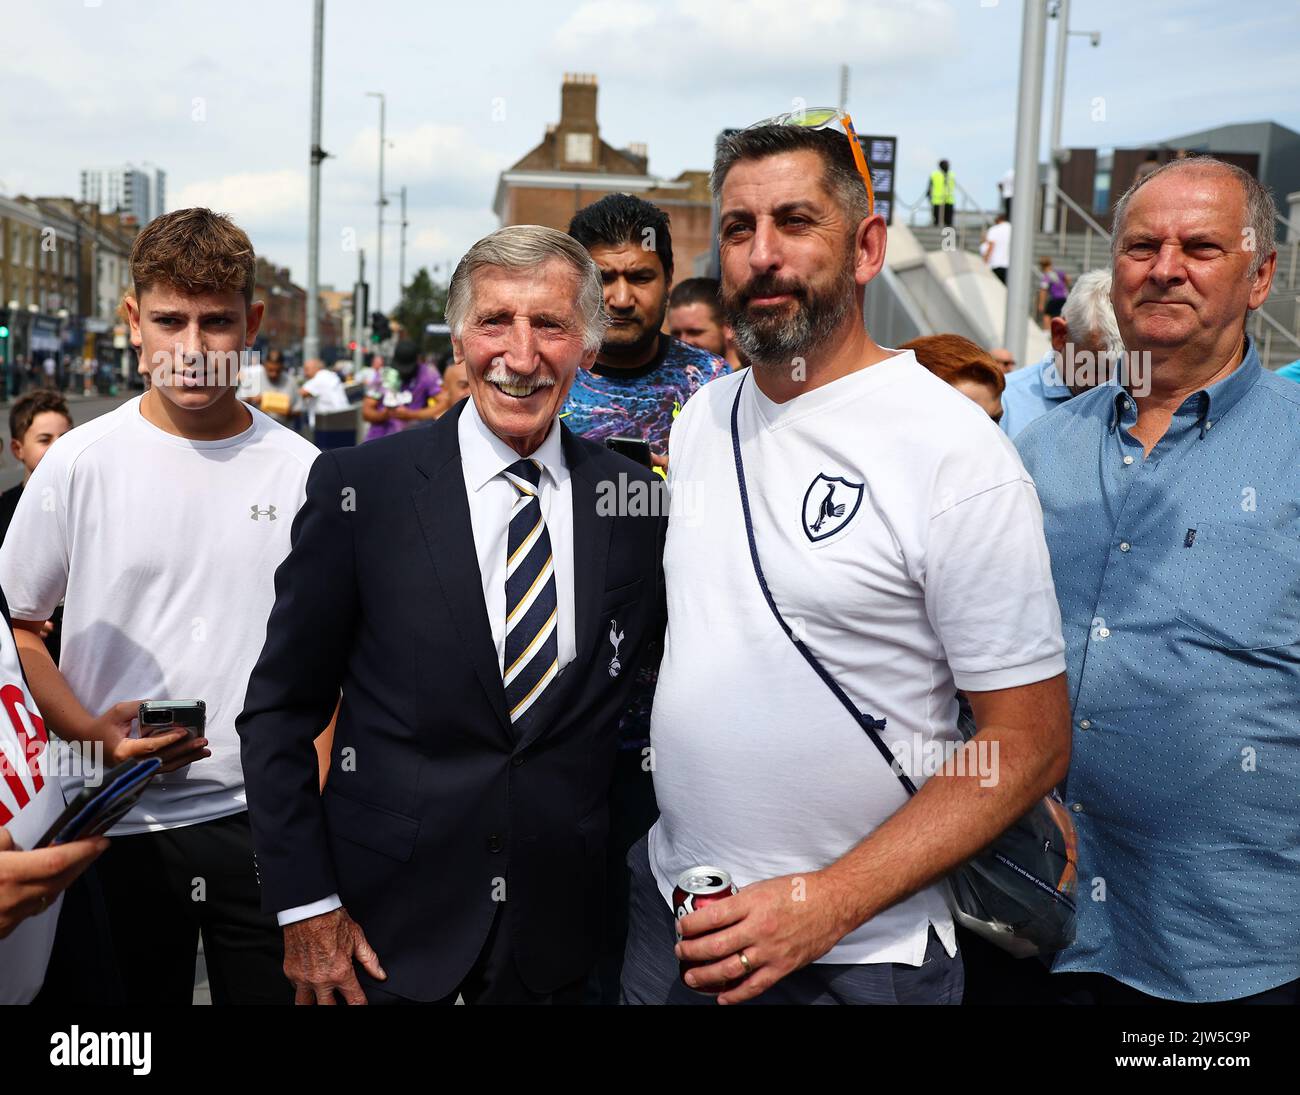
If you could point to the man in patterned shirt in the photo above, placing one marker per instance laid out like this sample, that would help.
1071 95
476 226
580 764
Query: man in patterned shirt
637 386
642 376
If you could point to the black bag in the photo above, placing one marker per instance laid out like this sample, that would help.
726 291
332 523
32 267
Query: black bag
1018 893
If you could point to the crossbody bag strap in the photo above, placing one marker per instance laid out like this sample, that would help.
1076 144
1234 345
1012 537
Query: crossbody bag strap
872 726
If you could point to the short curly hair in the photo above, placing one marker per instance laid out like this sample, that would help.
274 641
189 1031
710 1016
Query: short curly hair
195 250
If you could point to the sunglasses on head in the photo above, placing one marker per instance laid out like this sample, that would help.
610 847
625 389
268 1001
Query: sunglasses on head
824 118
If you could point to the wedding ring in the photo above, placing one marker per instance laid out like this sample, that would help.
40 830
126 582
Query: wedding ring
744 961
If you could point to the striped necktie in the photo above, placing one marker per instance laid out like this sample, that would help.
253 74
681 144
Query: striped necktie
532 647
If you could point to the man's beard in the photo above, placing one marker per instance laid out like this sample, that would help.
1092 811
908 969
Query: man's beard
773 338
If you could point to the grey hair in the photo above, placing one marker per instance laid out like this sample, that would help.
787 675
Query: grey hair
1089 314
1261 210
526 247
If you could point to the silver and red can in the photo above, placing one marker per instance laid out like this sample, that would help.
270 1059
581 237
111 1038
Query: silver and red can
697 888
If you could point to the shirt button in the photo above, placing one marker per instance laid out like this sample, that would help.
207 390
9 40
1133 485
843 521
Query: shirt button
1077 807
495 843
1085 724
1124 546
1128 460
1103 632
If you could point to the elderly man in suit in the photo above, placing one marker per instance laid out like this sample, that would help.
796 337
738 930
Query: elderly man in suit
480 605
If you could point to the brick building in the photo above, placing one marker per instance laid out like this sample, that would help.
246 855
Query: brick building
573 167
285 320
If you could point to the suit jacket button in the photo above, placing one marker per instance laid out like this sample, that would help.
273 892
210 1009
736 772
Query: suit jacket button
517 761
495 843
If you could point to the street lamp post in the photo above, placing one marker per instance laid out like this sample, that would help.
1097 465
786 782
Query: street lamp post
1055 153
379 244
1029 111
311 336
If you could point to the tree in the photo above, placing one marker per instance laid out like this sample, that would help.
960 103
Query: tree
423 303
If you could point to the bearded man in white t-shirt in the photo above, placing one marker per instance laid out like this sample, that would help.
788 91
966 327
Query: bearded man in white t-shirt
159 526
902 541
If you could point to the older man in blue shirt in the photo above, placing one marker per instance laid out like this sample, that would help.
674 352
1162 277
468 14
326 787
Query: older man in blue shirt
1085 346
1173 521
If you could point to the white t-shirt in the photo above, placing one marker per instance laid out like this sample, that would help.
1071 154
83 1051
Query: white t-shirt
164 551
26 814
901 535
326 390
1007 184
999 235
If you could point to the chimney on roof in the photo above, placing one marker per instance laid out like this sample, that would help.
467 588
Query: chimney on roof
578 102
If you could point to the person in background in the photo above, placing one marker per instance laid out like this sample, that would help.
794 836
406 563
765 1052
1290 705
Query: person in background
996 248
322 390
402 395
1006 189
695 318
1053 288
36 421
960 362
1004 358
637 386
1085 348
942 191
1170 509
455 387
272 388
32 881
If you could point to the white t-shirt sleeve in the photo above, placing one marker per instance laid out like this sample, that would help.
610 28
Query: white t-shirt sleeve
34 557
989 591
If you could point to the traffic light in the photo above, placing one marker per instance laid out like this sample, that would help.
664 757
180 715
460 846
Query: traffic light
379 326
4 323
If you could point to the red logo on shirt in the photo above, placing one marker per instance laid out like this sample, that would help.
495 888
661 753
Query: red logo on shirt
11 696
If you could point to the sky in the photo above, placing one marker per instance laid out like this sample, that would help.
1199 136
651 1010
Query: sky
218 94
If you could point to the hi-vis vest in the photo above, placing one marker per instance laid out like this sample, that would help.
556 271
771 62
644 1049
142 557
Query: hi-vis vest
943 191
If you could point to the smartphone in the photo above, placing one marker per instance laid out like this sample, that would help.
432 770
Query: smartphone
162 716
95 810
634 448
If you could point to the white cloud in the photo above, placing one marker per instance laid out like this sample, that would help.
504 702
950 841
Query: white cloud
255 199
753 39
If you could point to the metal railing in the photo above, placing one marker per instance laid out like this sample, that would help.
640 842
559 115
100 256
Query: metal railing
1292 245
1264 338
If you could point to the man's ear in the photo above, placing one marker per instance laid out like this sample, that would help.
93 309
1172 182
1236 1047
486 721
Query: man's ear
1060 334
131 306
16 447
256 311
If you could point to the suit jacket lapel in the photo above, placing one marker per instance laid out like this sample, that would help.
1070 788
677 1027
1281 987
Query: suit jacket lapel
442 507
591 535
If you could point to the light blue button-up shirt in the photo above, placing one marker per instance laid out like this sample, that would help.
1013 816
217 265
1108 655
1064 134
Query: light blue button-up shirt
1178 577
1030 393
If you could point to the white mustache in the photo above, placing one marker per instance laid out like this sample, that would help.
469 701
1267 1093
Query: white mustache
505 378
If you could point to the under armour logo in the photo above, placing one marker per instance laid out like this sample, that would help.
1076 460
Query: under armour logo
268 512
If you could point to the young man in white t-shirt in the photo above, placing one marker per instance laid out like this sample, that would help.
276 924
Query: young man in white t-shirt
160 525
902 542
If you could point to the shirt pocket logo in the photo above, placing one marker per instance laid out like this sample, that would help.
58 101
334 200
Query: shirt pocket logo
829 505
1240 586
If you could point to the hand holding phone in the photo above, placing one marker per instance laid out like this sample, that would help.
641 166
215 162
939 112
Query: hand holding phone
174 746
634 448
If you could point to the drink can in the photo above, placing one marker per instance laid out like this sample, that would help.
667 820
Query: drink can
697 888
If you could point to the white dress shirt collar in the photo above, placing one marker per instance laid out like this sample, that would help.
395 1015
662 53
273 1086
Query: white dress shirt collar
485 456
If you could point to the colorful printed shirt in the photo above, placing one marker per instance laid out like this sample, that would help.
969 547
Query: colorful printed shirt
643 403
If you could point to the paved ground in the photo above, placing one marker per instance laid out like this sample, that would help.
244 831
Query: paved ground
83 410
